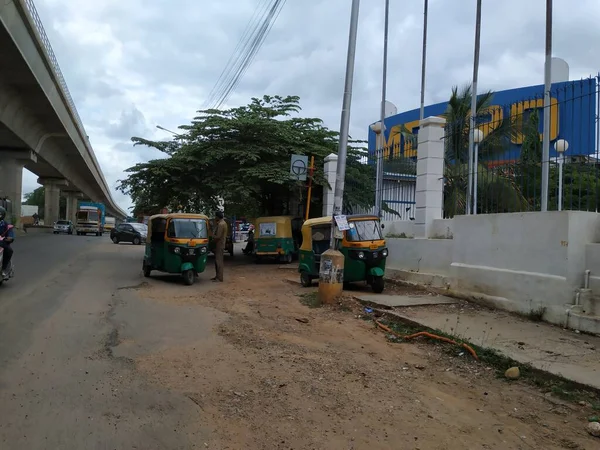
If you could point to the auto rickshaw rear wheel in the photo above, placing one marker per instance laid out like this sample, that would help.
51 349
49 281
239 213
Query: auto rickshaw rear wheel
188 277
305 279
377 285
147 270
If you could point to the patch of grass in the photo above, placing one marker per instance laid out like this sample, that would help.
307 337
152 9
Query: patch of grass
546 382
397 236
537 314
310 299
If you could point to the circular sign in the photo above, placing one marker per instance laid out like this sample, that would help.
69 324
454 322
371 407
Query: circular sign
298 167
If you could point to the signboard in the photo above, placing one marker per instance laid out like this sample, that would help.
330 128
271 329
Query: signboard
267 229
299 167
342 222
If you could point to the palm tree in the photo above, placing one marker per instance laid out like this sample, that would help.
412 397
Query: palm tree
496 186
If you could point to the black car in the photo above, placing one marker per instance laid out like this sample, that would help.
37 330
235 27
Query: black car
129 232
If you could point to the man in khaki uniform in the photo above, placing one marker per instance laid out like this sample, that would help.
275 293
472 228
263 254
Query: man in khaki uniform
220 237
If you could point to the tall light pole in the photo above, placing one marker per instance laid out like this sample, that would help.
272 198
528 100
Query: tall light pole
424 60
381 135
477 138
346 104
331 270
547 88
473 121
167 130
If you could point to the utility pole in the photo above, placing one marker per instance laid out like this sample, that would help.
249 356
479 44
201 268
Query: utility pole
547 89
473 121
380 145
331 270
424 60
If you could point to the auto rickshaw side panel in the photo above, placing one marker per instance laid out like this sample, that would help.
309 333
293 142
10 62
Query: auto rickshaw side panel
307 259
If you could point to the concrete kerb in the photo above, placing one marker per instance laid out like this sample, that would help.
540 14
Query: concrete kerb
535 371
561 315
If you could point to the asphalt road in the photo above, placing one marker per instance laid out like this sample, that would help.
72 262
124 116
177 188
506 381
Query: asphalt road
61 384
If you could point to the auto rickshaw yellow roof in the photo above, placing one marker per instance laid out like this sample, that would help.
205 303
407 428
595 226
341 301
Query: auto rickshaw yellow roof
317 221
327 219
276 219
178 216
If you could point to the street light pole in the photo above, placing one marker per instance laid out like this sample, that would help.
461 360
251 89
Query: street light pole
547 88
473 122
345 120
331 268
379 152
167 130
424 60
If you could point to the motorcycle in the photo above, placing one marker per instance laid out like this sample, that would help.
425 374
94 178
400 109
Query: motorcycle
10 270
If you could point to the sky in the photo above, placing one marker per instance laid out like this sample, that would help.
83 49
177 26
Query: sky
131 65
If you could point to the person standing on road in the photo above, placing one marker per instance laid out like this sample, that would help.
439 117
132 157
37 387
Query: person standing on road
219 236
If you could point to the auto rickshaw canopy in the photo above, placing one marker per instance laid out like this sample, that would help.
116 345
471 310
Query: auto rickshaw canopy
158 228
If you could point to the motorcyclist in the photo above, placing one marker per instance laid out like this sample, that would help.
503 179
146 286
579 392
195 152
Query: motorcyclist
8 233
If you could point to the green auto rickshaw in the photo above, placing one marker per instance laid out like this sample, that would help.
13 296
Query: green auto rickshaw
228 240
277 237
177 243
362 245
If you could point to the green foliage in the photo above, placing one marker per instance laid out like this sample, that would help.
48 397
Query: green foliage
581 187
242 156
529 168
497 190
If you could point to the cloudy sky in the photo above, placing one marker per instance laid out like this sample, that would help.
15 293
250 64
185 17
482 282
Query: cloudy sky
134 64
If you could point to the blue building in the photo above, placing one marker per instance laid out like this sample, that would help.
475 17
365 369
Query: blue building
573 118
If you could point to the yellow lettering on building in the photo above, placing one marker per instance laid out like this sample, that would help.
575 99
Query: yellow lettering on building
495 113
517 112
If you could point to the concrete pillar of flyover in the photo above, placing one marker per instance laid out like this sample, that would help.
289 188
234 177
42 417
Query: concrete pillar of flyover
11 179
72 199
52 198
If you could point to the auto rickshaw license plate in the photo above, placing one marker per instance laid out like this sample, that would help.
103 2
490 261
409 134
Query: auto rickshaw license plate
374 247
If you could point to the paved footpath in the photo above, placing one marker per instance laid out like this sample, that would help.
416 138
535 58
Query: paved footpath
545 347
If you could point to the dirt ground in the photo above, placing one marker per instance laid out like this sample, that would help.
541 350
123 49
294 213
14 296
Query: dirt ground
266 380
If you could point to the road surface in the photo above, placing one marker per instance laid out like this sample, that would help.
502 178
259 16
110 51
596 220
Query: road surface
60 385
95 357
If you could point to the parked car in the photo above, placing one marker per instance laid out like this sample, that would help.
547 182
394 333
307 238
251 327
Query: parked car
129 232
63 226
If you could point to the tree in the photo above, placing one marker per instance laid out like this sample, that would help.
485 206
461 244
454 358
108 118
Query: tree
497 190
529 168
239 156
37 197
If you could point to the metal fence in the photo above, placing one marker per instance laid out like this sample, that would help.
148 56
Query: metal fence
398 185
507 168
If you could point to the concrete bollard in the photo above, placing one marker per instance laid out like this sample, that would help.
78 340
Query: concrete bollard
331 276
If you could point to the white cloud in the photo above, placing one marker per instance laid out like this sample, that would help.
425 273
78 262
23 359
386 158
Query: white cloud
131 65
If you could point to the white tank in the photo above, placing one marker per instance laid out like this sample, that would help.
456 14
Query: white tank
560 70
390 109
